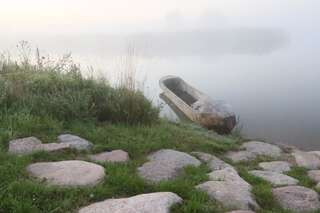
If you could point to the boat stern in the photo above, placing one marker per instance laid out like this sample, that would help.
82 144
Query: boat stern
221 125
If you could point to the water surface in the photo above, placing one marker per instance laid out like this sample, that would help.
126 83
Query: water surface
269 76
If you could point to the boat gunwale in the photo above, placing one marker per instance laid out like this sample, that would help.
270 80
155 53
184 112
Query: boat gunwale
167 90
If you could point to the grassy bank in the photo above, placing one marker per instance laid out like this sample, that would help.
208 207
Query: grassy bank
19 193
47 99
58 90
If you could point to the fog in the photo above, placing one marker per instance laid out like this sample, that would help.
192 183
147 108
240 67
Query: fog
260 56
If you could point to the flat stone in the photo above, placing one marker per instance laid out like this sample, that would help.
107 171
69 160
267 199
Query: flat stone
52 147
306 159
276 179
230 194
67 173
240 156
113 156
314 175
159 202
262 149
213 162
75 141
24 146
253 149
229 175
297 198
166 164
276 166
241 211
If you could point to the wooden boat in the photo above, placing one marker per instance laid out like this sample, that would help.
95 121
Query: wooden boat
190 103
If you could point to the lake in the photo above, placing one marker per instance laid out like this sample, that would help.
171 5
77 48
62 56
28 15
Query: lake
269 77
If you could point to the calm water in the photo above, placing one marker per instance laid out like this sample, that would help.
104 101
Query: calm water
270 78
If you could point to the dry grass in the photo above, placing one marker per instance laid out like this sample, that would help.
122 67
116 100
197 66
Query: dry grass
127 70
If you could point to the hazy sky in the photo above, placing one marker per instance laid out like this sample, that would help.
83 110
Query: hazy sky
229 26
65 16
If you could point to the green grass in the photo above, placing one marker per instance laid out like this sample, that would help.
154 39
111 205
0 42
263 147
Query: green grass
301 174
60 91
20 193
262 191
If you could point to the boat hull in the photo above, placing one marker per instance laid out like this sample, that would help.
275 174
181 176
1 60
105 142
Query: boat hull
182 97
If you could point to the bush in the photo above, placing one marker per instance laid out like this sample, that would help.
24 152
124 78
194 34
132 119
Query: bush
62 92
127 106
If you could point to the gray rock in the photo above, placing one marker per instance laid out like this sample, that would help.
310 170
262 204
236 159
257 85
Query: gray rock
297 198
30 145
276 179
213 162
306 159
317 153
51 147
253 149
24 145
75 141
227 187
166 164
159 202
230 194
314 175
205 157
241 211
67 173
240 156
113 156
229 175
262 149
276 166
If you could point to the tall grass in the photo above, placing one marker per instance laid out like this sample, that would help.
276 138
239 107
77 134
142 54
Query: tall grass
57 88
127 70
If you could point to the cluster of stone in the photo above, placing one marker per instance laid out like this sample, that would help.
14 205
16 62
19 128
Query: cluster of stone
225 185
24 146
163 165
29 145
71 173
286 189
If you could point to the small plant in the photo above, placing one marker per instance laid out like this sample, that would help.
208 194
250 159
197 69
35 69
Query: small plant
301 174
